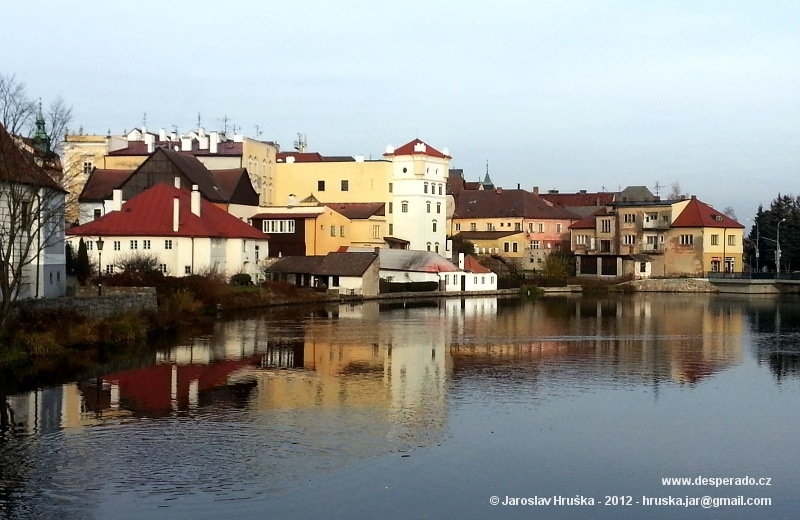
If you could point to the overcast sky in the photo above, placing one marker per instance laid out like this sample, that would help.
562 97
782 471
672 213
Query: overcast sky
563 95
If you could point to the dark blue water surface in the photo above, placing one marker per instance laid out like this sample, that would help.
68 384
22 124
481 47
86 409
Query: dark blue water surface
428 410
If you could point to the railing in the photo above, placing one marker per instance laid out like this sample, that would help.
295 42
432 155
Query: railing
753 275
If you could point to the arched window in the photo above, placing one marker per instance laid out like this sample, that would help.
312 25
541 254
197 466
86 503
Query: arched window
428 206
434 226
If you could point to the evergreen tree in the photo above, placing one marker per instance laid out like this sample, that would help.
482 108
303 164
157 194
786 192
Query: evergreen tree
82 267
70 259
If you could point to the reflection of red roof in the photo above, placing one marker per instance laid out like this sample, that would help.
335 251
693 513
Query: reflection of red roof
151 214
149 389
416 147
700 214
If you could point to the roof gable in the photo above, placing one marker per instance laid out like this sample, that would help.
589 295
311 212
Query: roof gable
101 184
418 147
358 210
14 167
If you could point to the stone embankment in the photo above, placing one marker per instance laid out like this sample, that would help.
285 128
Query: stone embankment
677 285
115 300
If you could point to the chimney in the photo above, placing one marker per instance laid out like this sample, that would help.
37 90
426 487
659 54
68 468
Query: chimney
162 135
292 201
186 144
582 192
517 185
498 190
177 182
461 261
203 142
150 141
117 200
213 142
195 200
201 132
536 190
176 211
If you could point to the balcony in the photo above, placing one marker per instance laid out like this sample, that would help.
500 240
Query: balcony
652 248
655 224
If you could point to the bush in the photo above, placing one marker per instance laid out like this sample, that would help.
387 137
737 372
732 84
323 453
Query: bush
123 330
241 279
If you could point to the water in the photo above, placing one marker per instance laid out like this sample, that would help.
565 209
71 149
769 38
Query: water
428 411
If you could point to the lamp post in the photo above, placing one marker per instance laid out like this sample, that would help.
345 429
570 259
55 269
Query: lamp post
100 243
778 244
758 241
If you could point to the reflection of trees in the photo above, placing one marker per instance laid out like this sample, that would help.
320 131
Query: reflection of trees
778 329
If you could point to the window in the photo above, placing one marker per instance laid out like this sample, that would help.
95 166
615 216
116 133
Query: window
535 244
187 269
376 231
97 214
162 268
320 185
278 226
391 187
391 229
714 240
581 239
436 249
629 240
257 250
428 207
559 228
605 225
425 190
458 227
517 226
333 231
514 247
687 240
117 245
345 185
438 207
541 227
341 231
433 227
244 246
505 247
440 189
109 269
605 246
391 207
429 246
642 267
87 167
489 226
134 244
167 244
731 240
145 244
629 218
404 206
473 226
89 244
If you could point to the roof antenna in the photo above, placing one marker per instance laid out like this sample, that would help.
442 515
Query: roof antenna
657 187
198 120
301 144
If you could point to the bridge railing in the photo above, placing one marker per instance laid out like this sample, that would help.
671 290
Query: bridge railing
752 275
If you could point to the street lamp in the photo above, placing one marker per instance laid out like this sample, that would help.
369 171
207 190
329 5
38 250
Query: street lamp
758 241
100 243
778 243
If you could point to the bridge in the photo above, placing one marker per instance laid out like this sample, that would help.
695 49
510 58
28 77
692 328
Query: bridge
755 282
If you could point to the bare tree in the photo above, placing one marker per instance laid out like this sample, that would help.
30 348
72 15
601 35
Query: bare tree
675 191
729 212
31 225
16 109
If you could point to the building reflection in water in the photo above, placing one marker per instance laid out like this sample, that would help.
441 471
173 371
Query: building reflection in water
389 365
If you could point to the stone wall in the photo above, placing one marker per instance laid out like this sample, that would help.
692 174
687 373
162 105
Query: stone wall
684 285
115 300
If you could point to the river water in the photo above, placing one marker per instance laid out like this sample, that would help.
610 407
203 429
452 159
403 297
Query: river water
429 410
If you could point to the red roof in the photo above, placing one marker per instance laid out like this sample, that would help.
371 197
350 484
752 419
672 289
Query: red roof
283 216
140 148
102 183
311 157
580 199
416 147
150 214
699 214
499 203
471 265
15 167
590 222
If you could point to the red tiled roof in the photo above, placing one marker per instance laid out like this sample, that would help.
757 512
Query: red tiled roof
700 214
410 149
283 216
140 148
358 210
590 222
579 199
471 265
309 157
150 214
101 184
501 203
14 167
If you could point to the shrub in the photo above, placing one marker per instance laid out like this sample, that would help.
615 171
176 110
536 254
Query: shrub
241 279
122 330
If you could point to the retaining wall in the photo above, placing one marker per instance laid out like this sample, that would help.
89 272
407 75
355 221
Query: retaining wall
115 300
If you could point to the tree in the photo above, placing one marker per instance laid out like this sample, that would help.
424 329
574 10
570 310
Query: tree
31 224
729 212
138 263
83 269
675 191
16 109
559 265
462 245
784 209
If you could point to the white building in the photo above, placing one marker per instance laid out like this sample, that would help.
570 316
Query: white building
187 234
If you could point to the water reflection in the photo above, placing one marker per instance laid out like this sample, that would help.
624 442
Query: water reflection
258 404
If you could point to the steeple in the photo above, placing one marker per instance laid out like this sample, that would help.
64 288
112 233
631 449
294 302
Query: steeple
487 182
41 141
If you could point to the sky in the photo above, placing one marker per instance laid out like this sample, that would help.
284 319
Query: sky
565 95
